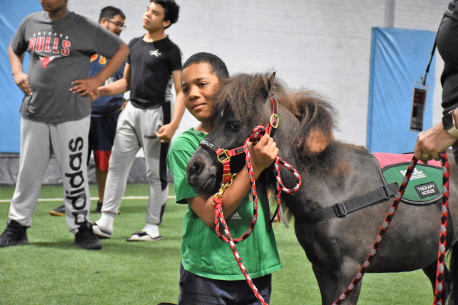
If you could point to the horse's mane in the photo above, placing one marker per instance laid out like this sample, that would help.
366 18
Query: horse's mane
240 91
315 114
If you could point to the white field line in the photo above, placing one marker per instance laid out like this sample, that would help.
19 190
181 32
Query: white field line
92 198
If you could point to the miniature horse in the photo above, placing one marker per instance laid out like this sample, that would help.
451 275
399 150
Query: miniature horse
331 172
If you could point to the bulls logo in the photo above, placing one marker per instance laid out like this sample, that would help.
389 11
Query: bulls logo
45 61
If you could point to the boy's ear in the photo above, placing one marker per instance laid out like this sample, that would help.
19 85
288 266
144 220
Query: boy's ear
166 23
103 22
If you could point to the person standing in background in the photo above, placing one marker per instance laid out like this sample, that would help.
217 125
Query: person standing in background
146 122
55 112
105 110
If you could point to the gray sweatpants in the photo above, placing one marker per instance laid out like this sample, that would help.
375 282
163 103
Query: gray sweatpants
68 141
137 129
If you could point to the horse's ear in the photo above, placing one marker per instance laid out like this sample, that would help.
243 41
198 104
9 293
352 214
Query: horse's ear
271 83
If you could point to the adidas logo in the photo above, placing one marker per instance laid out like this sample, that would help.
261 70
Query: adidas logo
236 216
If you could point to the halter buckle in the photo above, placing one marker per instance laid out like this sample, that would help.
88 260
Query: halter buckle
223 153
223 188
272 120
227 178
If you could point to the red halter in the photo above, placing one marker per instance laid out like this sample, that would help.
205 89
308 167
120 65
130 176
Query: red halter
224 155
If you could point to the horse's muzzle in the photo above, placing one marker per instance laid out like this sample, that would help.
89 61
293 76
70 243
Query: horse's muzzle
201 175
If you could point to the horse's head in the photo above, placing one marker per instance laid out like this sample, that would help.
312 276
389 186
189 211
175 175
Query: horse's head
241 103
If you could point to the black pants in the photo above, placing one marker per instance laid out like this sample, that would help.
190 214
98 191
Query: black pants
195 289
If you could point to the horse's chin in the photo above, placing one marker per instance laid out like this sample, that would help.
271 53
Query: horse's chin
206 186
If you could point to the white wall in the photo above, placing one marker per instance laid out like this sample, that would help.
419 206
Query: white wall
322 45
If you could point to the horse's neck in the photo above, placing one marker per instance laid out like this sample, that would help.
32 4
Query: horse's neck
340 173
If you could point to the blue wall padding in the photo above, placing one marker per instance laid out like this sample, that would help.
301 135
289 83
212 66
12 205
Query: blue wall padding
11 14
398 58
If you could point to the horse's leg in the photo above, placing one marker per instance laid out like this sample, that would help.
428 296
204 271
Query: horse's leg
332 285
430 272
452 279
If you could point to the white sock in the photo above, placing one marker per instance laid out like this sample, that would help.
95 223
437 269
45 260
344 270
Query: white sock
152 230
105 222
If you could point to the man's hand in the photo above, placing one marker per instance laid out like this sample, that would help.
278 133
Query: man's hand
85 86
22 81
431 142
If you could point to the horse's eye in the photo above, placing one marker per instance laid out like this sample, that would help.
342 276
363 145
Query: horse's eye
235 126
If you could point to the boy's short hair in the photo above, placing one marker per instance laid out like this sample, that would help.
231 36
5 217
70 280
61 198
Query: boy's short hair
218 67
109 12
171 10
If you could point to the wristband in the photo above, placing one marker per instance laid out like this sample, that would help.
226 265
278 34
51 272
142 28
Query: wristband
448 123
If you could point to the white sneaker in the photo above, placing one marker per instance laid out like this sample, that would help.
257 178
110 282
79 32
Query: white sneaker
99 232
143 236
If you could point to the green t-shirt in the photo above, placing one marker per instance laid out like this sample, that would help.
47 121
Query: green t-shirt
203 252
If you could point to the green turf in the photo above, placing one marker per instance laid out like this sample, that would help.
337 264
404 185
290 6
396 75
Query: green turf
50 270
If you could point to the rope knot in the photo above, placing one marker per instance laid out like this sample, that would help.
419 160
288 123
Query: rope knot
257 134
217 202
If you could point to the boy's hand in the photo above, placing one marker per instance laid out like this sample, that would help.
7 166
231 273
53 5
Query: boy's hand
85 86
22 81
165 133
263 154
93 95
124 104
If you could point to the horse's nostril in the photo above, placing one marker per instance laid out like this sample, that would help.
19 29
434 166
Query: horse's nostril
196 168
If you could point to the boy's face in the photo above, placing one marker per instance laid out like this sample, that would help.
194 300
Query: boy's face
114 24
52 6
153 18
199 85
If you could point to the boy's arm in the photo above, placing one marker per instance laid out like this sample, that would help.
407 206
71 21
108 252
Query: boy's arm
120 86
88 85
262 155
20 78
166 132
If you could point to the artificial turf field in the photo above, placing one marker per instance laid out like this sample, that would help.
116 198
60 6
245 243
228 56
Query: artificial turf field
50 270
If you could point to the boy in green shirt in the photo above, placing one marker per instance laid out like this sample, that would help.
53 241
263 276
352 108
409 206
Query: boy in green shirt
209 271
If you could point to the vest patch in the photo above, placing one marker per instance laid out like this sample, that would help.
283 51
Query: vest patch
427 190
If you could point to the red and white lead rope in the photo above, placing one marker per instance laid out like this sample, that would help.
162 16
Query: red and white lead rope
257 134
439 292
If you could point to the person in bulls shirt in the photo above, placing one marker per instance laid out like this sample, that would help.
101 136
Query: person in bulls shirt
55 112
105 110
